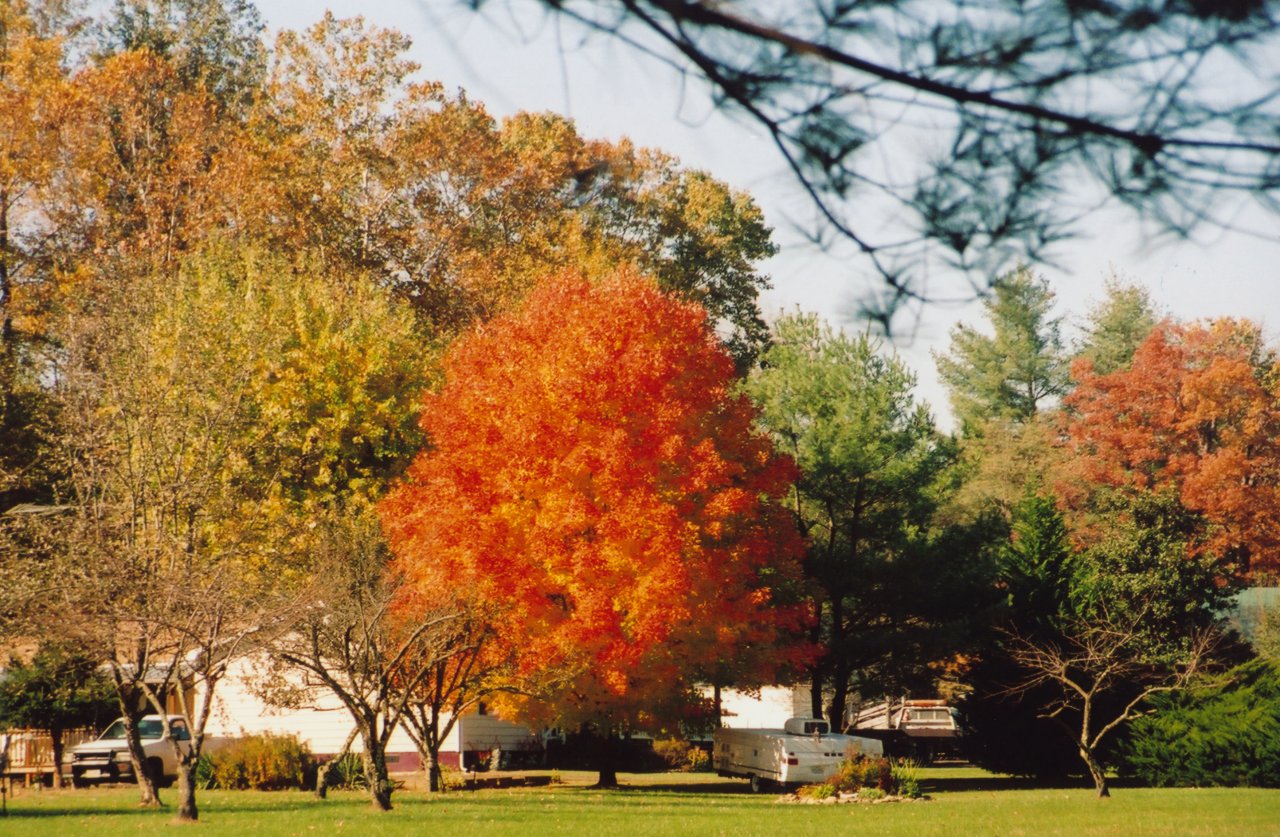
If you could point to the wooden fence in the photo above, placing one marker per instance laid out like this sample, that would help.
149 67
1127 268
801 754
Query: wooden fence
30 753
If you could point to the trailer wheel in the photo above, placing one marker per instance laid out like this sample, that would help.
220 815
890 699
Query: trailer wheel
757 784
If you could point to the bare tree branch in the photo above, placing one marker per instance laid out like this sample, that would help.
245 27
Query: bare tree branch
1028 112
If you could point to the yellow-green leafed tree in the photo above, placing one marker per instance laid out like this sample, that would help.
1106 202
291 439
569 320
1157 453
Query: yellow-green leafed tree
208 415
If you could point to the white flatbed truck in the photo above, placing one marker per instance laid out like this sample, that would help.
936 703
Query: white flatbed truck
804 752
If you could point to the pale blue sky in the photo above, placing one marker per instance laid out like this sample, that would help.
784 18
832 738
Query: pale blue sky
611 91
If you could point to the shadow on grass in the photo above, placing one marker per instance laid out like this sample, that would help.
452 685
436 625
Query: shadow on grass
677 788
266 802
50 813
946 784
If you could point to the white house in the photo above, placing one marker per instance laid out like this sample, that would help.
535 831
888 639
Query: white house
324 723
770 709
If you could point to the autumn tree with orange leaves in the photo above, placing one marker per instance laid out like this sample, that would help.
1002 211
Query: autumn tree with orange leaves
596 484
1197 414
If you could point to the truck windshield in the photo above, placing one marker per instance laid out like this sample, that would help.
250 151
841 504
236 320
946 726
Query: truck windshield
115 731
147 728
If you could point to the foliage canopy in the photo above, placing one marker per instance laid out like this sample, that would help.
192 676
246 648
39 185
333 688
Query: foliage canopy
596 486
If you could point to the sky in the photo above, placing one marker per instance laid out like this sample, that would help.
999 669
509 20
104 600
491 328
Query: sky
611 91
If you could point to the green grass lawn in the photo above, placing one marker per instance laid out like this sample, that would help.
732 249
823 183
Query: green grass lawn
964 802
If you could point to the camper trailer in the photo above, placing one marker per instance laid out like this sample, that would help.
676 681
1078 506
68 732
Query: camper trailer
803 752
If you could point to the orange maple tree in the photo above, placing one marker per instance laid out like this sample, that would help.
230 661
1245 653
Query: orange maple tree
1197 413
595 483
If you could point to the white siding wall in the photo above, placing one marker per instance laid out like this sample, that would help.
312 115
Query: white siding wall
323 724
770 710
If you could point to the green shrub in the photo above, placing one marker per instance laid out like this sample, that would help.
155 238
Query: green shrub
450 777
906 779
679 754
823 791
876 777
1224 732
864 772
348 773
204 772
262 762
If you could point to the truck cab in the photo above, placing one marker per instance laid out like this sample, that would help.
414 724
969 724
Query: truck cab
106 758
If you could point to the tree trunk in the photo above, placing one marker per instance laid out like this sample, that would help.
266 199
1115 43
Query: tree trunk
816 675
55 744
149 794
6 317
430 744
1096 772
375 766
326 770
126 698
815 692
839 697
718 708
435 779
606 760
839 667
187 810
322 779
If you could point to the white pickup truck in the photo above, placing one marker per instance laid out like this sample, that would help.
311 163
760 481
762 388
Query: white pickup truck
106 758
805 751
922 730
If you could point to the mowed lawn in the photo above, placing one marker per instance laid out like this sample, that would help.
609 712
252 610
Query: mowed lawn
964 802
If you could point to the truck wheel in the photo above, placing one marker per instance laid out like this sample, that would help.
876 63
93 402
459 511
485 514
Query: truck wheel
155 771
78 781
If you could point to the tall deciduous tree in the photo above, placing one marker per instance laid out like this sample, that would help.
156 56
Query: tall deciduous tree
34 105
203 414
1197 413
594 479
870 461
212 44
1019 368
460 213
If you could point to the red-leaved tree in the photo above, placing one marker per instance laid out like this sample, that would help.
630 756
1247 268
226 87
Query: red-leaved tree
1197 413
595 483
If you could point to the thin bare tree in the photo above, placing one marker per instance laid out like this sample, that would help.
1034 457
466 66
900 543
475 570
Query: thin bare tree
347 638
1101 672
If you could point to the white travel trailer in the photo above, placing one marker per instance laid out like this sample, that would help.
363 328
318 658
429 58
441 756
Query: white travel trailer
803 752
